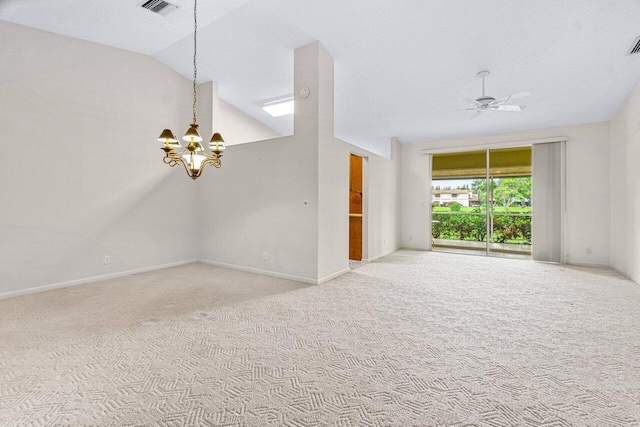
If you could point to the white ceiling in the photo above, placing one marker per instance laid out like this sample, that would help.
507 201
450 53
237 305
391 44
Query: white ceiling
400 66
118 23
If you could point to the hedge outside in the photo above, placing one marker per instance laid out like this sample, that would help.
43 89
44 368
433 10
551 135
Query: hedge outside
473 227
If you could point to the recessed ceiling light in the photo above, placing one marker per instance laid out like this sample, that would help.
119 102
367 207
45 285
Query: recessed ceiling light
281 107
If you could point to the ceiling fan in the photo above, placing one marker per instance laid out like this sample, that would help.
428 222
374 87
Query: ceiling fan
488 103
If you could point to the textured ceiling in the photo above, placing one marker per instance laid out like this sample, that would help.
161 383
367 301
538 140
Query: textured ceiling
118 23
401 66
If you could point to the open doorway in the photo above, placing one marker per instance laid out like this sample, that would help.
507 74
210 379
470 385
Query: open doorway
355 208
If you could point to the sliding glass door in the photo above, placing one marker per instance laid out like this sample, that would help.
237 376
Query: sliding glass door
481 202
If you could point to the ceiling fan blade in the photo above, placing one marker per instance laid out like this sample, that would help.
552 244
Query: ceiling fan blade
476 114
506 107
458 111
506 99
500 100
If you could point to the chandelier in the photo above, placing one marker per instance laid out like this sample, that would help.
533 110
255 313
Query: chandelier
192 157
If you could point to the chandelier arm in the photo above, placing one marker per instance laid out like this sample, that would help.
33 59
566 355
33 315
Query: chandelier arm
199 171
184 151
170 160
186 167
204 163
214 162
171 155
175 158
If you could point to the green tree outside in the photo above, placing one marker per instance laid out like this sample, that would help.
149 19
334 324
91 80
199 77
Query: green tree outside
510 190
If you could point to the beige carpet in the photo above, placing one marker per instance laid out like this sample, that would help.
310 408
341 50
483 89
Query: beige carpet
416 338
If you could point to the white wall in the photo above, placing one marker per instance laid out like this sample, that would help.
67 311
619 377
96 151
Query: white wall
98 186
333 180
588 177
236 127
86 179
380 195
333 223
625 188
215 115
255 203
384 203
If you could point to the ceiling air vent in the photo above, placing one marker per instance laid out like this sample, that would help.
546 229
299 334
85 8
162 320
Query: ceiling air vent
159 6
635 47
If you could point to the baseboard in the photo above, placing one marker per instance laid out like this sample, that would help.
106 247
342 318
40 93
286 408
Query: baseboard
277 274
332 276
381 255
76 282
260 271
625 275
588 264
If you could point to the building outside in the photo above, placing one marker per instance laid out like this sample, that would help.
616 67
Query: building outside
448 197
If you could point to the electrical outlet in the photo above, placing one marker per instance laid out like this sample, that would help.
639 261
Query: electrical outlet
588 250
264 256
107 259
410 236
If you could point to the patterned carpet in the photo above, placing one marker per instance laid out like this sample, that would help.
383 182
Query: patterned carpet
414 339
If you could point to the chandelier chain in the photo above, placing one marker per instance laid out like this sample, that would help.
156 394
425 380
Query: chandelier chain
195 57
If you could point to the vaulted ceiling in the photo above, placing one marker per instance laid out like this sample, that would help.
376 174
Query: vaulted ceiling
402 67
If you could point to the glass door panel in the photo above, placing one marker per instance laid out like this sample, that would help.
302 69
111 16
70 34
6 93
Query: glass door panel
458 208
509 216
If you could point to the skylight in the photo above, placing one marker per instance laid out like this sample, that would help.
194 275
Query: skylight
279 108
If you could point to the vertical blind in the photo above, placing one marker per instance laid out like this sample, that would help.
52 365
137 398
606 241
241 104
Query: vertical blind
547 202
